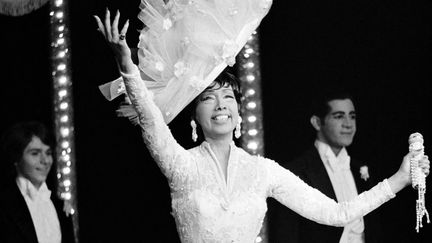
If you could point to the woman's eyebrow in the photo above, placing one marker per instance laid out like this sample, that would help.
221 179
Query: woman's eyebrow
227 89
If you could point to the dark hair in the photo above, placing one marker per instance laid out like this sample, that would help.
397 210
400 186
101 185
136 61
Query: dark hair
225 79
320 106
17 137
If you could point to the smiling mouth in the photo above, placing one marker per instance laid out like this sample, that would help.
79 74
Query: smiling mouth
42 169
221 117
347 133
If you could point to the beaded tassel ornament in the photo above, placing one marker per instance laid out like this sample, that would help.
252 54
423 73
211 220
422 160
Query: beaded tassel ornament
418 177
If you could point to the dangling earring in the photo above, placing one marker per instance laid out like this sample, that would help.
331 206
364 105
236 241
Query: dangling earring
194 132
237 131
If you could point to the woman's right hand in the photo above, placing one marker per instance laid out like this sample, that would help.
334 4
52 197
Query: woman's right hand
116 40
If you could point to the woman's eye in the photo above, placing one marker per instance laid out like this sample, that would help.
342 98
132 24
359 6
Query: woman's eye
204 98
229 96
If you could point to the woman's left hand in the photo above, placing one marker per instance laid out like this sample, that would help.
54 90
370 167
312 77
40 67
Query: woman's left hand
116 39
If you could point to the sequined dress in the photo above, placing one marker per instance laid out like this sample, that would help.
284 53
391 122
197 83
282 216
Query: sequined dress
208 208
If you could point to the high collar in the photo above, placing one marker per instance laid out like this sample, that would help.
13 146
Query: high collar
28 189
339 162
206 145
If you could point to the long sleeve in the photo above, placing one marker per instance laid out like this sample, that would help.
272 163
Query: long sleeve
310 203
175 162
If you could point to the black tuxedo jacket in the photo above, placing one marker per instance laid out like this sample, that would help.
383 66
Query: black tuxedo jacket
16 225
287 226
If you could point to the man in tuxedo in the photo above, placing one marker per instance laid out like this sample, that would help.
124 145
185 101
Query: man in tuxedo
29 211
328 167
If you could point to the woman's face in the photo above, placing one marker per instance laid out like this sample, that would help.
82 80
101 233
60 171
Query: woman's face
217 111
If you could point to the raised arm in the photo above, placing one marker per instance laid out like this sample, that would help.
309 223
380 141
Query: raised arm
117 40
291 191
174 160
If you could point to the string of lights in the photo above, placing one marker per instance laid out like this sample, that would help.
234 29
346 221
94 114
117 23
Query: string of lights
63 109
252 139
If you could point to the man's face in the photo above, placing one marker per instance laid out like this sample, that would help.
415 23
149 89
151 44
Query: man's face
35 162
339 125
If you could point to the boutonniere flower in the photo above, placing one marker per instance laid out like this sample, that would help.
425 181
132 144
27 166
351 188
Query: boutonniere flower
364 172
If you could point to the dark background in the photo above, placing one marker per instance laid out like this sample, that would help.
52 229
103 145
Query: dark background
380 50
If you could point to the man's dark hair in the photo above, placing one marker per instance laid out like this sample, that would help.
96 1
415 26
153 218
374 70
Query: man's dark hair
320 105
17 137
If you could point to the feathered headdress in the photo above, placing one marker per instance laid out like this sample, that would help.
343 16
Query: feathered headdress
185 45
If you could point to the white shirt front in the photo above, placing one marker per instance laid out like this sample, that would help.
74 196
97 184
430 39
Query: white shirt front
338 169
42 211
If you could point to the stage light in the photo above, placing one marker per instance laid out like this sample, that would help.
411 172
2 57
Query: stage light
252 119
251 105
62 80
253 132
63 109
250 77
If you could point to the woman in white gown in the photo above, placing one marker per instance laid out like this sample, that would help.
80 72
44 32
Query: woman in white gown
218 190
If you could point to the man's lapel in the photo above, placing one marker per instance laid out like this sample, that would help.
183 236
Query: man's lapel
21 214
318 175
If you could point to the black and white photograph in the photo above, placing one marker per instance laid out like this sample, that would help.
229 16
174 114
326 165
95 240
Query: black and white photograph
249 121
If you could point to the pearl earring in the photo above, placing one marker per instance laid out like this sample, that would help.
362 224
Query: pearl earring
237 131
194 132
